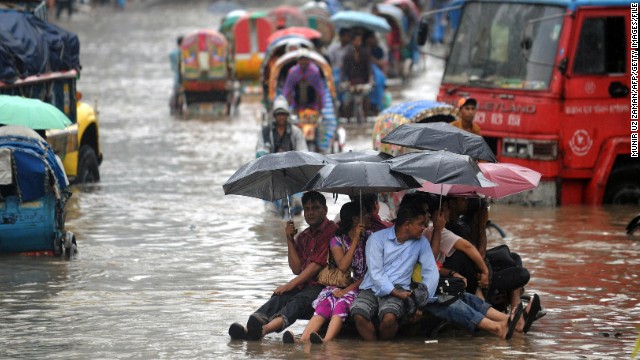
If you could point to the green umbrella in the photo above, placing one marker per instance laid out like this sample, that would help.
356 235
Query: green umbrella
31 113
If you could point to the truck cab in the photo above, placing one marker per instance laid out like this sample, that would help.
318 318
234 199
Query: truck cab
552 79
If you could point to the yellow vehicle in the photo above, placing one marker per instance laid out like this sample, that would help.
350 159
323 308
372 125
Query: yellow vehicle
79 146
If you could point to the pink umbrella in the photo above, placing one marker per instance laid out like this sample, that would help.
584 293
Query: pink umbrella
511 179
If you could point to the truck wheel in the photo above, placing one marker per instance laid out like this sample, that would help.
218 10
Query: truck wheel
87 166
623 187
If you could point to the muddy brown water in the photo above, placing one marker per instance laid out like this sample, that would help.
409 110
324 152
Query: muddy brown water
167 261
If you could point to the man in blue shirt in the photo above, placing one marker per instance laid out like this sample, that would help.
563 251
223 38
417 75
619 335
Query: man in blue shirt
391 255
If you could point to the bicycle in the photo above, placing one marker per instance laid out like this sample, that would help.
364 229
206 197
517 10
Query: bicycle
358 96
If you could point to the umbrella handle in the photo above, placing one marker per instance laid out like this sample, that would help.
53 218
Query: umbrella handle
289 206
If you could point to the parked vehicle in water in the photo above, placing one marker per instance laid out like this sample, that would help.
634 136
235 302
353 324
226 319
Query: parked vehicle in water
546 75
206 80
40 60
276 49
33 195
250 34
320 127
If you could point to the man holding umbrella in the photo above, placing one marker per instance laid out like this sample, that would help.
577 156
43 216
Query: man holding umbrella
281 135
307 254
467 110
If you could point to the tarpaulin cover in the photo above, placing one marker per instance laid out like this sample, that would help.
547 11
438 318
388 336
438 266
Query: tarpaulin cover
30 46
32 158
30 175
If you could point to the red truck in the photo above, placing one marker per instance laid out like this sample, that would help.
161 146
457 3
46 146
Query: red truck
554 88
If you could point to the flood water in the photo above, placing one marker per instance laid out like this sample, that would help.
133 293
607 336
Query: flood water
167 261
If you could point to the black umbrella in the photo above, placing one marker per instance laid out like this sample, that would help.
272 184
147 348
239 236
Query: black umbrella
355 178
440 167
440 136
275 176
360 177
363 155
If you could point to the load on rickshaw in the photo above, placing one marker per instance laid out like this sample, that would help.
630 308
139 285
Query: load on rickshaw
33 195
207 86
315 113
47 68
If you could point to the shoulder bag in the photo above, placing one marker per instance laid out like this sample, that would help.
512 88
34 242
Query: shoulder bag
331 275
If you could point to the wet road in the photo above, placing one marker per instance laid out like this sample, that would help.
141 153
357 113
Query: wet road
167 261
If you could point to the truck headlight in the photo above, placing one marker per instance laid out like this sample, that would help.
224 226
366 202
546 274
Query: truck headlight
530 149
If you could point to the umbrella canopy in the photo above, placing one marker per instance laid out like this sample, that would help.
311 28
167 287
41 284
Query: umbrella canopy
305 32
360 177
350 18
440 167
510 179
365 155
408 112
275 176
31 113
230 19
440 136
284 16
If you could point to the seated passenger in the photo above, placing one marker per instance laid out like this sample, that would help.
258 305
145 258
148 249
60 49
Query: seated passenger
347 251
307 254
304 75
372 207
391 256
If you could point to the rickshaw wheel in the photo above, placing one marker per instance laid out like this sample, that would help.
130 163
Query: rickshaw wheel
87 166
70 245
57 246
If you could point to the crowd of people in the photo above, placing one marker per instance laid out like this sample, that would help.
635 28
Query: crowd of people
396 270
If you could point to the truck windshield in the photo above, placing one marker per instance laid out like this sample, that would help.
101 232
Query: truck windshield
505 45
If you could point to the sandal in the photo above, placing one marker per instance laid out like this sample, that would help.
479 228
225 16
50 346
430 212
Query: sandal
288 337
237 331
532 315
315 338
513 321
254 327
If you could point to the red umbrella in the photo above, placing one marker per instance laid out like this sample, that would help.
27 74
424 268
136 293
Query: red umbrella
307 33
511 179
